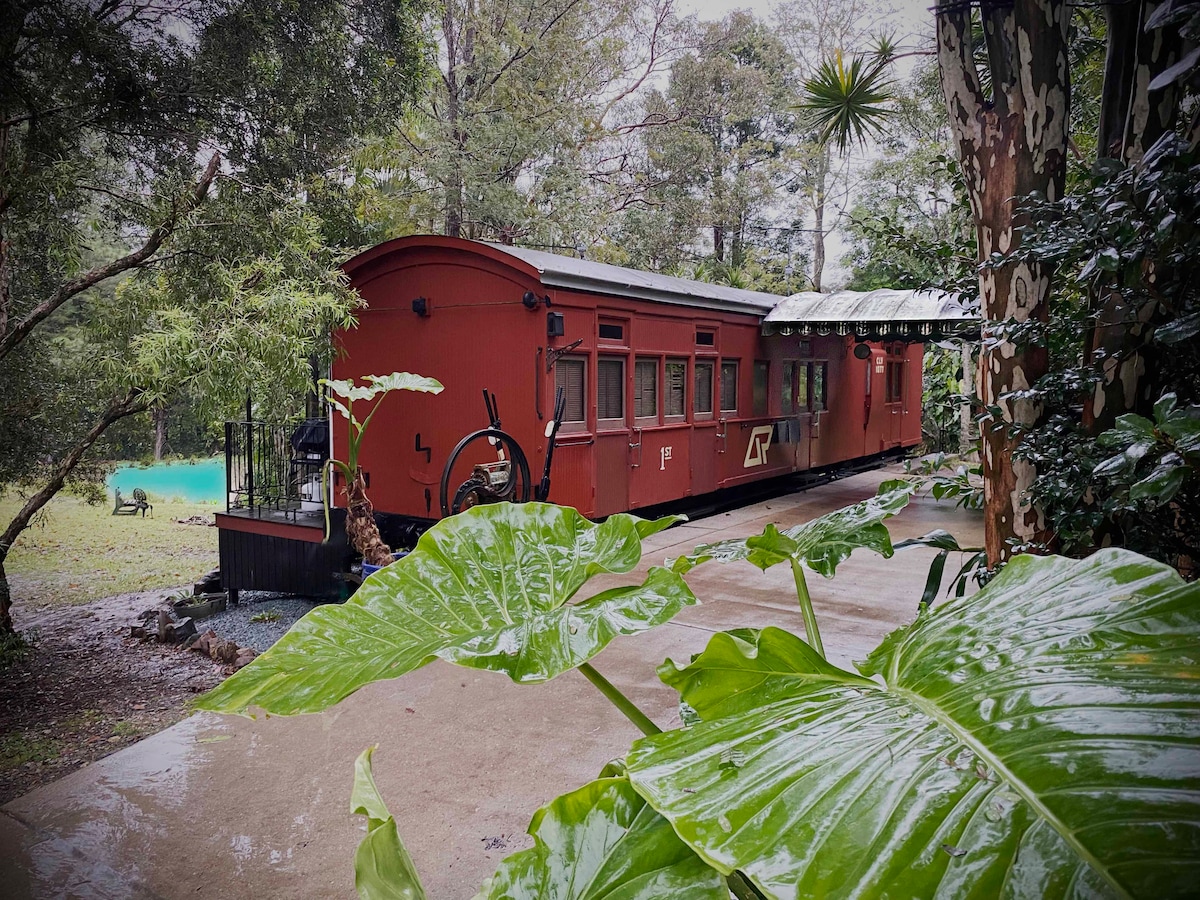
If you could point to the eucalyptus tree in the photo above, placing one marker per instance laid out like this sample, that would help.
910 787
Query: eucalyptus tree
184 136
514 138
715 163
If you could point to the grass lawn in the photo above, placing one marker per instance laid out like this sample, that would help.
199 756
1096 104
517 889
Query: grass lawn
75 553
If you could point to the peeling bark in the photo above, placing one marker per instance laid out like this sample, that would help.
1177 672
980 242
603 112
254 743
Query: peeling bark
1011 144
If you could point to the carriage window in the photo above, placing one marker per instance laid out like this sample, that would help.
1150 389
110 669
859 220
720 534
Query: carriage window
610 391
674 391
645 388
611 331
729 378
895 381
802 396
569 375
706 338
787 395
819 386
762 372
703 396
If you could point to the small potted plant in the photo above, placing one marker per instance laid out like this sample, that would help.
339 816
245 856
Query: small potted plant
360 514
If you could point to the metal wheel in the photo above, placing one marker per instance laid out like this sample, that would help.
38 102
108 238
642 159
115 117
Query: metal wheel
490 481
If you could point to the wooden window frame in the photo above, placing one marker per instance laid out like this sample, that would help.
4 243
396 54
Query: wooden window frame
821 381
612 423
568 426
623 324
699 415
762 366
653 364
736 364
787 390
680 416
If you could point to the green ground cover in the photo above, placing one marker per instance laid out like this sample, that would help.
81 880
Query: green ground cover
76 553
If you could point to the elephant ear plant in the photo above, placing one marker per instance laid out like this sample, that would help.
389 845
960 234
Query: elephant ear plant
360 514
1038 739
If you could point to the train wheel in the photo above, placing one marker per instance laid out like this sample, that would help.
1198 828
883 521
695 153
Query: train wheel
473 450
472 492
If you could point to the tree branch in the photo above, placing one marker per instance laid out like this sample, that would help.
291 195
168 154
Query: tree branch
94 276
130 404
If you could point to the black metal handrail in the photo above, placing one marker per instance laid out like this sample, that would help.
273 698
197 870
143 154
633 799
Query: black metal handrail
267 468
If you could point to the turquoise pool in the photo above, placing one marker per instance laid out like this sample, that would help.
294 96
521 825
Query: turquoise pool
202 481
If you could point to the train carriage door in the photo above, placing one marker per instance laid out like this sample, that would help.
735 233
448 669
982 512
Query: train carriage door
612 436
794 402
877 425
660 446
894 399
818 404
705 424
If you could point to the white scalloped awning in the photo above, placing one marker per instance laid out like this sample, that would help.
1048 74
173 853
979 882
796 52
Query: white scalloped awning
884 313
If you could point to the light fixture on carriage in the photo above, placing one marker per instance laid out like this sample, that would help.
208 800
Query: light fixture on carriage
555 325
421 307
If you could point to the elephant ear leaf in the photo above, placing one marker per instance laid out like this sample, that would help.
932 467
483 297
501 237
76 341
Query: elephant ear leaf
383 870
488 589
821 544
1039 739
603 841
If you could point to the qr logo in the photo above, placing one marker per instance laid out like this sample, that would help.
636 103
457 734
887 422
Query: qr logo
756 449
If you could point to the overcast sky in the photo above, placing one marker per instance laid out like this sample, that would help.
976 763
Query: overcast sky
903 17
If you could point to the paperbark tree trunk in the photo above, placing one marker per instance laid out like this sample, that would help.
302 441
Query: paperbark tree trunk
1010 144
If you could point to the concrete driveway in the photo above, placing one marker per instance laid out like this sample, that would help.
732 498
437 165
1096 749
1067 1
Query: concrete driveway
223 807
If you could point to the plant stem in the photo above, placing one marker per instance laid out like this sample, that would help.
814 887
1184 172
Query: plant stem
806 609
619 700
742 888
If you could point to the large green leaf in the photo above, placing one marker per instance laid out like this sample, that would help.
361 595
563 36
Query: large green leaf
383 870
1039 739
821 544
488 589
603 841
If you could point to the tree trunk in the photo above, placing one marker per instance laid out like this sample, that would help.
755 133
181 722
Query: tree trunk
160 432
118 409
1010 145
1131 119
818 239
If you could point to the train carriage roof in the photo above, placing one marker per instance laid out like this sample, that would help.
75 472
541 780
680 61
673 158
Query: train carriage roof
912 315
556 271
588 275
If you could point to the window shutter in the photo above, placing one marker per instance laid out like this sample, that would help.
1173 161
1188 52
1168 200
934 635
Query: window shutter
645 388
568 375
610 389
676 381
729 372
704 387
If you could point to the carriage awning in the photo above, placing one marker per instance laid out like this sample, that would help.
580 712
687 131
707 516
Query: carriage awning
874 315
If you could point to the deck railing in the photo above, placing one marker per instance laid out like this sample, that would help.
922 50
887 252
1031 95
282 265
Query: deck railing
266 468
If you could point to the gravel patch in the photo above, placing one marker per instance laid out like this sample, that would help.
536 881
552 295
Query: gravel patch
234 623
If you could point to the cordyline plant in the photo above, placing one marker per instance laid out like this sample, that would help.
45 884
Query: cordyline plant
1040 738
360 514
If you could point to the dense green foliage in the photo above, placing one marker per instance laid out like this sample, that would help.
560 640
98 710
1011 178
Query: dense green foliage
1132 232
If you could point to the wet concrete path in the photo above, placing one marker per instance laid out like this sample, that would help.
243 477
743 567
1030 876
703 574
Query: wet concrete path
224 807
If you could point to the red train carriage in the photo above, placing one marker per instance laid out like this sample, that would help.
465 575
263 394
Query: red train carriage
670 389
